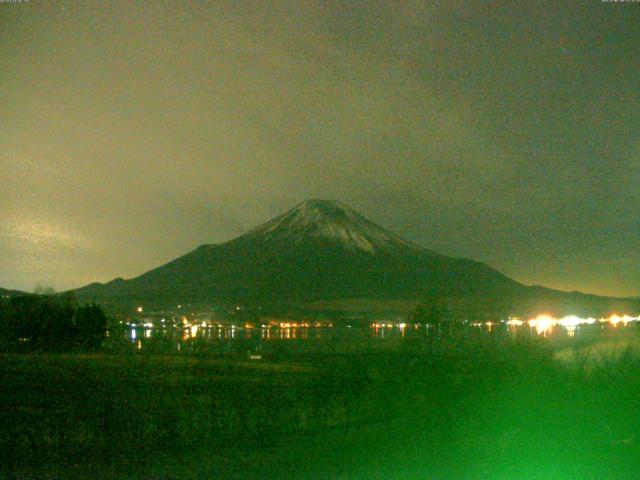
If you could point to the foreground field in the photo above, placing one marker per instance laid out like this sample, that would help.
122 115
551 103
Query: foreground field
441 410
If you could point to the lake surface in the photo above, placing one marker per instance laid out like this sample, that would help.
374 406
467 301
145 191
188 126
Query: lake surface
224 339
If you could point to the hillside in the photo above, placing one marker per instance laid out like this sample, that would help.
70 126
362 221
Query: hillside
321 251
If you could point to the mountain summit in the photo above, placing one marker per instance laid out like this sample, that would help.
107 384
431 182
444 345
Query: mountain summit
328 222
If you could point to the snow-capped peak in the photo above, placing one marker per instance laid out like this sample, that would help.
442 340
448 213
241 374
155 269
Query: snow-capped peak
330 221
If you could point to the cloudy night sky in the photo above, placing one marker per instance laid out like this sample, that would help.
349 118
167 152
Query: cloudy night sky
132 132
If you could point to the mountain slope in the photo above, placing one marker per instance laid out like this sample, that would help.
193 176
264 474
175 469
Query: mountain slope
4 293
318 251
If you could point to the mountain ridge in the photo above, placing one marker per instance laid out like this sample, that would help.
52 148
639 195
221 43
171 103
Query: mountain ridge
320 250
7 293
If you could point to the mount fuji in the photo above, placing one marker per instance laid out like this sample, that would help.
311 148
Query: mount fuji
319 251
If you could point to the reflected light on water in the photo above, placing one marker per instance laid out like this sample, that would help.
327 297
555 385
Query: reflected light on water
138 335
624 319
570 322
614 320
543 324
402 327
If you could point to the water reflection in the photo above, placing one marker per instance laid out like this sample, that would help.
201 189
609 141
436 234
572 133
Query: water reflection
544 324
206 337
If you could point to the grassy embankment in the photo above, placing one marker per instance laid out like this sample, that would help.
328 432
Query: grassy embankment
487 408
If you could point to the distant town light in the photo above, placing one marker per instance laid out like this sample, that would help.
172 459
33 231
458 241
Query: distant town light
139 309
570 321
543 324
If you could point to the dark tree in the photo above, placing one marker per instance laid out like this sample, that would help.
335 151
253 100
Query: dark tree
5 338
35 322
49 323
91 326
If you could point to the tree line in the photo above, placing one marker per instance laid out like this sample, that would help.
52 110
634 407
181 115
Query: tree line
32 323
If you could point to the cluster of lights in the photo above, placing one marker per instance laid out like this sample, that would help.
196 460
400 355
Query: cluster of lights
189 324
542 323
293 325
304 324
545 323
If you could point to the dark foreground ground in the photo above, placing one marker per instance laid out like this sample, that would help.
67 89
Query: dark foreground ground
489 409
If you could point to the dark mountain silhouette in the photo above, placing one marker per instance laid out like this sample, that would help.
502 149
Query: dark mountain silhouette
318 251
4 293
